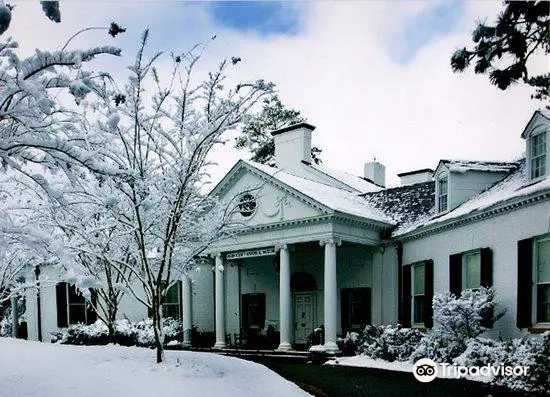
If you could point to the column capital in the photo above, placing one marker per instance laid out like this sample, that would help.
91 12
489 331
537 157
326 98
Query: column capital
281 246
216 255
330 241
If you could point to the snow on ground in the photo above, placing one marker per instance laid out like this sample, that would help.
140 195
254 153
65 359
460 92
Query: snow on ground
30 369
401 366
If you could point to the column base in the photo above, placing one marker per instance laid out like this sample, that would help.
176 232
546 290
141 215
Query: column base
331 348
186 344
219 345
284 346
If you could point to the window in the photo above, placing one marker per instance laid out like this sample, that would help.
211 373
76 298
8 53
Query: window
253 317
418 281
72 307
416 287
538 155
171 305
77 306
356 309
247 205
471 270
442 202
541 256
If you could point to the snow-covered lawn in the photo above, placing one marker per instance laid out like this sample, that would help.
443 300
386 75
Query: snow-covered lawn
402 366
31 369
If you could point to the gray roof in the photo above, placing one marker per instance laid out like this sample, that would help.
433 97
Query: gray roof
405 205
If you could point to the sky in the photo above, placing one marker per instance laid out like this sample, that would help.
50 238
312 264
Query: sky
373 77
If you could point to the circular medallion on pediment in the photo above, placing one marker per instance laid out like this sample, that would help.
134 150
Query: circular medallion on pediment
247 205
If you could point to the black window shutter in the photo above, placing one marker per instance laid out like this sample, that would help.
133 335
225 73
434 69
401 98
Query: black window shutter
486 271
91 315
455 274
261 308
344 305
244 314
400 294
61 295
428 292
366 306
406 320
525 283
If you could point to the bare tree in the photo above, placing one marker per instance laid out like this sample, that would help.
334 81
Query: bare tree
156 206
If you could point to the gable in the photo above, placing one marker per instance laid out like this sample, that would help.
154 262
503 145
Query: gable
538 122
273 202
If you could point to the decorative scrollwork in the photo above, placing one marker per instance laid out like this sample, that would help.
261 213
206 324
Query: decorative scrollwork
280 203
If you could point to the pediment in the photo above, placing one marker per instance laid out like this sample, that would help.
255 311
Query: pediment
264 200
539 121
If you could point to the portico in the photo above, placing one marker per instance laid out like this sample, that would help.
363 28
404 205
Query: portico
293 285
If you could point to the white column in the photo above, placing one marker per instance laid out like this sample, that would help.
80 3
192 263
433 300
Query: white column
187 310
14 318
330 295
220 303
284 299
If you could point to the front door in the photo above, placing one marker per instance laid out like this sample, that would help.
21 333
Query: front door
304 316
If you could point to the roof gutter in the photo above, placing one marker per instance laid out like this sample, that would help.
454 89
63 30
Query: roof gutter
475 216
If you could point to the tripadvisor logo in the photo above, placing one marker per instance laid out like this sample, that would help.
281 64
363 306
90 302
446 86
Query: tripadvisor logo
426 370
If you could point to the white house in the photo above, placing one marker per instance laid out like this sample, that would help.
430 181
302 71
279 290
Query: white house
320 246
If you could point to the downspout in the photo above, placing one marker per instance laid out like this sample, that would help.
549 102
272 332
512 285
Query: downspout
382 250
399 282
38 308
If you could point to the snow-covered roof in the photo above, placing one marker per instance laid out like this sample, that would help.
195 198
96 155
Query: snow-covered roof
462 166
540 117
514 186
335 199
405 205
358 183
545 113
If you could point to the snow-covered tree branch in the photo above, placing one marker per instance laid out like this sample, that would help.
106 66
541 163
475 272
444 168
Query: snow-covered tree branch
146 225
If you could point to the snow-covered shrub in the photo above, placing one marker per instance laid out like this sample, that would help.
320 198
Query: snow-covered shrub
389 342
5 325
6 319
349 344
480 352
530 352
80 334
533 353
457 320
126 333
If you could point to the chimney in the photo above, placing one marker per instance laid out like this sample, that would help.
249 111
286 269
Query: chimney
376 172
293 146
418 176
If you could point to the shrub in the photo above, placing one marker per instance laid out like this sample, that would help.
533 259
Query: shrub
480 352
126 333
531 352
349 344
389 342
457 321
6 319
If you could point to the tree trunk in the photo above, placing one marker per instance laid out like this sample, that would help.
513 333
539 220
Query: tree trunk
159 334
111 322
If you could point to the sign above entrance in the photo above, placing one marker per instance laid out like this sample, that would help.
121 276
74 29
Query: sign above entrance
251 253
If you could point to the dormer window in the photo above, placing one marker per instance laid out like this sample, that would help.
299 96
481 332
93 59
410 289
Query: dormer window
538 155
443 188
